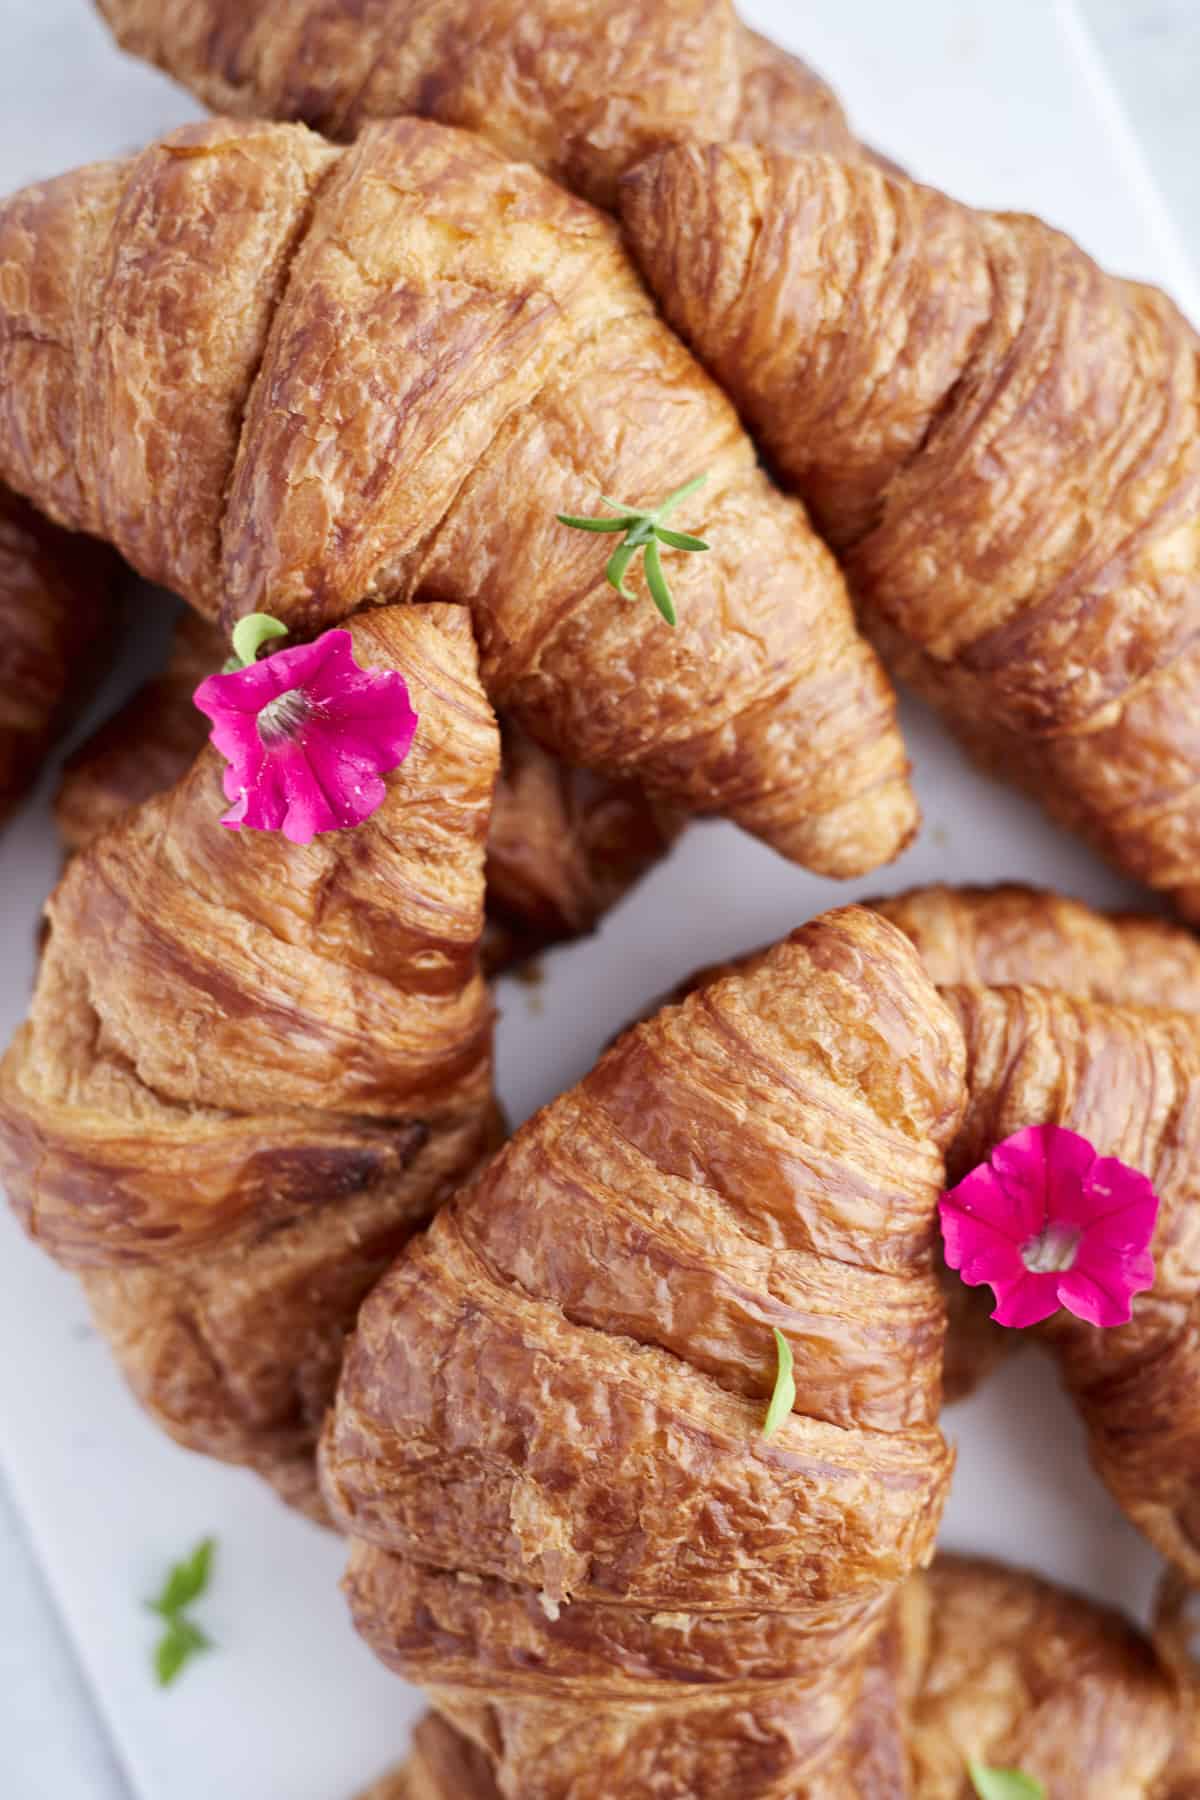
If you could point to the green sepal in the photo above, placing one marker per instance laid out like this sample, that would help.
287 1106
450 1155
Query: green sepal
251 633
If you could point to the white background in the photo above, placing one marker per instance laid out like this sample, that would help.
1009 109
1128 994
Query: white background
1005 105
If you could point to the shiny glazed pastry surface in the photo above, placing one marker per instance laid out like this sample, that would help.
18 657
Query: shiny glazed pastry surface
581 88
56 597
548 1441
1002 442
253 1068
383 372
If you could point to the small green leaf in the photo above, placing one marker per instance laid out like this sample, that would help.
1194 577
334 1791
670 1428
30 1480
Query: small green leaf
643 531
656 581
252 632
622 524
679 540
178 1644
784 1397
672 500
186 1580
618 562
1004 1784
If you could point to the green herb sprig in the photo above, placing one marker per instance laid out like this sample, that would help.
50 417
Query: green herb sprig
1004 1784
644 530
784 1397
185 1582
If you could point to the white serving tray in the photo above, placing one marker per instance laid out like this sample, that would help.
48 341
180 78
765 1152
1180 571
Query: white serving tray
1005 105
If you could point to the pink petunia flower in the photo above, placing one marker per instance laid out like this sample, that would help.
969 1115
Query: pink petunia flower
1045 1222
307 735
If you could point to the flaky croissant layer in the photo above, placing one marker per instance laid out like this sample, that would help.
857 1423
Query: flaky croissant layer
56 604
253 1068
548 1440
1002 441
978 1663
287 378
580 90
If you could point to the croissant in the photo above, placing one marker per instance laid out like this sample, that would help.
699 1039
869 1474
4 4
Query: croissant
56 595
252 1069
548 1438
993 937
563 847
1000 440
979 1662
582 91
382 372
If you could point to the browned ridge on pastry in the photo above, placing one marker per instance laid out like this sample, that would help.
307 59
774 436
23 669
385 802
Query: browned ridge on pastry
581 88
1002 442
978 1662
252 1068
282 377
56 597
548 1440
563 846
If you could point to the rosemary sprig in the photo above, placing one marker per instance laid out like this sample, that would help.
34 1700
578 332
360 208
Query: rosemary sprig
644 530
784 1396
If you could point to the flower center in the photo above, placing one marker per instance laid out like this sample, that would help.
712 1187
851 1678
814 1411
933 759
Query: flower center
1053 1251
282 717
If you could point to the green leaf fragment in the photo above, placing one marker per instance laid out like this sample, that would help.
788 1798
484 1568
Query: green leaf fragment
672 500
581 524
1004 1784
252 632
784 1397
679 540
618 563
643 531
186 1580
656 581
178 1644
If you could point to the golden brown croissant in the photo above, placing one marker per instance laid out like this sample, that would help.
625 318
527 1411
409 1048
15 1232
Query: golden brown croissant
382 372
1002 442
563 846
548 1440
253 1068
581 88
56 594
979 1662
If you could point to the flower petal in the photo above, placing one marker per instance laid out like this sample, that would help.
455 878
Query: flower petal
979 1250
1093 1300
982 1195
1026 1301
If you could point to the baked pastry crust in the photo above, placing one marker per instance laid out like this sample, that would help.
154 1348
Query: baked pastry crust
547 1442
581 91
978 1661
253 1068
382 373
1001 441
56 597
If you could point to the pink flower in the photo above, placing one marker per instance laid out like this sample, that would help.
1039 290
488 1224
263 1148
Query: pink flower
1048 1223
307 735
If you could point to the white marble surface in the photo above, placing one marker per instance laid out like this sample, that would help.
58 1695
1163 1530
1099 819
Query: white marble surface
54 1741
